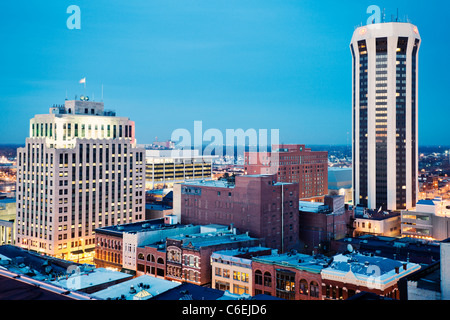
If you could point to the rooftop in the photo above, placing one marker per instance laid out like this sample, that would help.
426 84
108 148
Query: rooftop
296 260
200 240
140 288
89 278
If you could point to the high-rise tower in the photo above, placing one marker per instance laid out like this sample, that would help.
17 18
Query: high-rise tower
385 115
79 170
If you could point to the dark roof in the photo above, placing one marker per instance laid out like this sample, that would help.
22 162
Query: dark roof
35 260
363 295
12 289
188 291
130 227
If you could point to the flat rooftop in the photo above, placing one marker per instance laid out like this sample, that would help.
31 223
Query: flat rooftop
200 240
139 288
297 261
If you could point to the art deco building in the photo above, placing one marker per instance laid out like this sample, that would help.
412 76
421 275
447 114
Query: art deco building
385 110
79 170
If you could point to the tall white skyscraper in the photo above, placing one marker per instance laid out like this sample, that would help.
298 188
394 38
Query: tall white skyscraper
79 170
385 115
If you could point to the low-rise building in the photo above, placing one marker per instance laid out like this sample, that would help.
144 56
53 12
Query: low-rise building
351 273
424 252
290 276
376 222
430 219
189 256
116 245
89 279
139 288
322 222
232 269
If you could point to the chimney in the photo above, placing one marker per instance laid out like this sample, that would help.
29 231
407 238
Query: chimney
404 266
396 270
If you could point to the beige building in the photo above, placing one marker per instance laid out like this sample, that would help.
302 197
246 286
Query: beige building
379 223
429 219
7 220
232 269
79 170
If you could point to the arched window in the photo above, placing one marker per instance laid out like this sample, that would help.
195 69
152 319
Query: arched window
303 288
150 257
267 279
160 261
141 256
314 292
258 277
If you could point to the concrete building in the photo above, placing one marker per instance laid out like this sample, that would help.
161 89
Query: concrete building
293 163
322 222
79 170
232 269
430 219
7 220
164 168
385 115
351 273
267 209
445 269
340 183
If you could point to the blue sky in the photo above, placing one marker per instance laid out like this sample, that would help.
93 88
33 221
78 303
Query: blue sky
261 64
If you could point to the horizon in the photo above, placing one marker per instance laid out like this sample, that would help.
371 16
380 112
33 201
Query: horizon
166 64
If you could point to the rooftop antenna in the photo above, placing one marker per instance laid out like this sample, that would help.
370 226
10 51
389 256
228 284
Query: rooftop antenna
384 15
102 92
396 20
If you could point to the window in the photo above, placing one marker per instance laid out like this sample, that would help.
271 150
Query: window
303 289
267 279
258 277
314 286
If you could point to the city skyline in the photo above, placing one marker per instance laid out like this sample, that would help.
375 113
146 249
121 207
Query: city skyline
226 63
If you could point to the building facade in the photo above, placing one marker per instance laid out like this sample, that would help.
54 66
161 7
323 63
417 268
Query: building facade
79 170
290 276
258 204
163 168
293 164
232 269
430 219
349 274
322 222
385 115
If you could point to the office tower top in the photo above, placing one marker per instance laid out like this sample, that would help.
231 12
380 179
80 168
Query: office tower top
80 170
385 115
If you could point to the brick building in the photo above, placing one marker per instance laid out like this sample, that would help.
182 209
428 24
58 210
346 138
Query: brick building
255 203
115 252
188 258
293 163
291 276
322 222
351 273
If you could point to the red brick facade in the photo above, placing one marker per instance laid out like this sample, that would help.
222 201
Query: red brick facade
286 282
108 251
254 204
295 164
